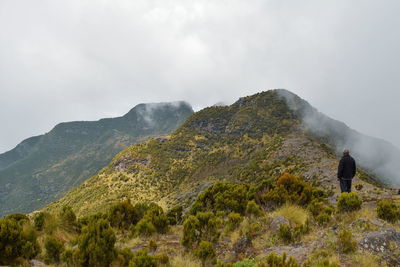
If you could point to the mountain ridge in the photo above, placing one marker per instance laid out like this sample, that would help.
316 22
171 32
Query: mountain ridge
256 137
40 169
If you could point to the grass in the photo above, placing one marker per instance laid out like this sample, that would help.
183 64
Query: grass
181 260
295 214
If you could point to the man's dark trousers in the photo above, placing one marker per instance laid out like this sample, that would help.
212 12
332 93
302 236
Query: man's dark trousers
345 185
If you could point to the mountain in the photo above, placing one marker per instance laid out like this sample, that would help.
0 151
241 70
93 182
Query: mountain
258 137
42 168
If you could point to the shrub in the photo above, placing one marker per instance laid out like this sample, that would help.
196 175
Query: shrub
145 228
349 202
16 240
252 209
203 226
346 244
222 196
122 215
234 220
124 256
388 211
289 189
39 220
96 244
295 214
285 233
174 215
68 218
274 260
142 259
163 259
152 245
54 248
205 252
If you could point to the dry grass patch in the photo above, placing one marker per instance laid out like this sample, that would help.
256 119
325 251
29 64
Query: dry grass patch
295 214
181 260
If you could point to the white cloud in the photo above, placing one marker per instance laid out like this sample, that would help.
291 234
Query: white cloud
74 60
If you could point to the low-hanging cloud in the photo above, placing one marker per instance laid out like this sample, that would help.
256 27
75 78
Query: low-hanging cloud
84 60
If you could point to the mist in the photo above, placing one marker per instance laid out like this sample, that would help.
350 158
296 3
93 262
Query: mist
376 156
86 60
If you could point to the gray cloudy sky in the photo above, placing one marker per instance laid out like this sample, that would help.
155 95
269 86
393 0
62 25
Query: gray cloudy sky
84 60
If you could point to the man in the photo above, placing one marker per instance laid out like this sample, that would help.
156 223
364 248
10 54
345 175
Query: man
346 171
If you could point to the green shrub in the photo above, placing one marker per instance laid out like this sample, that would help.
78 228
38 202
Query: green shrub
388 210
163 259
174 215
345 242
152 245
285 233
245 263
234 220
68 218
54 248
39 220
252 209
320 259
203 226
222 196
142 259
205 252
122 215
18 217
17 240
96 244
274 260
349 202
145 228
124 257
289 189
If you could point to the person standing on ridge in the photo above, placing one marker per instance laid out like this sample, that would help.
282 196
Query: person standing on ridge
346 171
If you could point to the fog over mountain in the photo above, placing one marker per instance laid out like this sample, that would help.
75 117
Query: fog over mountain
84 60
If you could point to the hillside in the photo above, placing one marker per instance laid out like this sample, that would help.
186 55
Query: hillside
257 137
42 168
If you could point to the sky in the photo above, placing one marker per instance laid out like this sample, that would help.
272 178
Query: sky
90 59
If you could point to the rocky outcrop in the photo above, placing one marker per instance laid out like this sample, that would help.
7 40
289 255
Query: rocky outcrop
382 241
277 222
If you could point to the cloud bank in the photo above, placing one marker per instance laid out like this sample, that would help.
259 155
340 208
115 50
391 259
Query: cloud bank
84 60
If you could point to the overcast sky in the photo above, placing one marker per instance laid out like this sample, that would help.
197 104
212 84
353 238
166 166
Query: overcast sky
85 60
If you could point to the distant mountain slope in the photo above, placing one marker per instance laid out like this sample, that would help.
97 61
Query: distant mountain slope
41 169
257 137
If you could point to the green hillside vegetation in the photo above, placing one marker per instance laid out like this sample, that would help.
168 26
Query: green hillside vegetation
41 169
255 138
229 224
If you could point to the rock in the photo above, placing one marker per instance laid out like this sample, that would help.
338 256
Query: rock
359 222
243 247
277 222
300 251
378 223
380 241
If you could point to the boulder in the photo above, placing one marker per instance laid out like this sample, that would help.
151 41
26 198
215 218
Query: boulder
381 241
277 222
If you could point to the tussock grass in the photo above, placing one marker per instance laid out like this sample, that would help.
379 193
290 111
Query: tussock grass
181 260
295 214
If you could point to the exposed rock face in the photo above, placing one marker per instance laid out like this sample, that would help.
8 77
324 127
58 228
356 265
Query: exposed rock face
381 241
277 222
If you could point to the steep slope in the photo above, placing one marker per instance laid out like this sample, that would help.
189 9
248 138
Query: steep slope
41 169
257 137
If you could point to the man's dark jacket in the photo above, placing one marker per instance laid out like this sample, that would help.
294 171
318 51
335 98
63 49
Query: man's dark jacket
347 168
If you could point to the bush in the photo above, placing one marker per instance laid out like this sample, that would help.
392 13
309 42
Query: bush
16 241
96 244
222 196
285 233
124 257
174 215
39 220
349 202
145 228
203 226
205 252
252 209
388 211
142 259
274 260
346 244
234 220
359 187
289 189
68 218
54 248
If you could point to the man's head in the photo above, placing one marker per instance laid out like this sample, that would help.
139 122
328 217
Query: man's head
346 152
